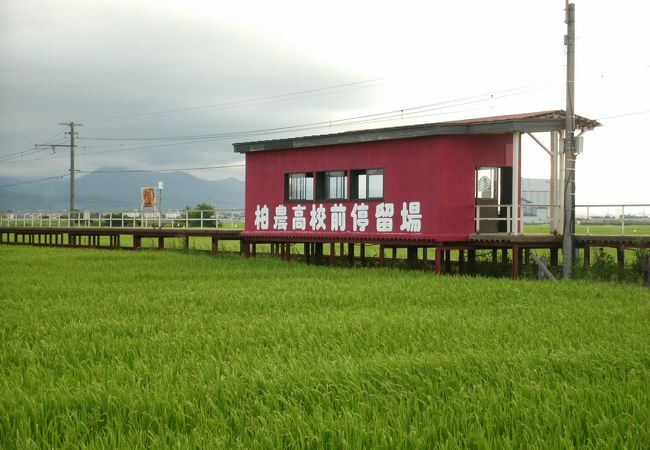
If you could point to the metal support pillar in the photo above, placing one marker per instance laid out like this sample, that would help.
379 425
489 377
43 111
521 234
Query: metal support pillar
555 187
516 140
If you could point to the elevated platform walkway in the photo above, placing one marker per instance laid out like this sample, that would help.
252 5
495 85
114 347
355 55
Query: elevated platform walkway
514 249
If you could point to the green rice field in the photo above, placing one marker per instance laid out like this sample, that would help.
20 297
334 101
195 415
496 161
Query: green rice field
117 349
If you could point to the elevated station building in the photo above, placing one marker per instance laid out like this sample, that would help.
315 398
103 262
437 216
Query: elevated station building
419 185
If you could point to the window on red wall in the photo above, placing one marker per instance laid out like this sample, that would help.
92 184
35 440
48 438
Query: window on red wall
332 185
367 184
299 186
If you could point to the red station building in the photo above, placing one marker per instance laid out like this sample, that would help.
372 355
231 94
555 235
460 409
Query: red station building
413 186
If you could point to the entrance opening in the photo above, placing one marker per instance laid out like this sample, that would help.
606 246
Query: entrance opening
493 198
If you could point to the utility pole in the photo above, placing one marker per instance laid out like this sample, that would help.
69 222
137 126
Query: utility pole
72 125
73 193
569 148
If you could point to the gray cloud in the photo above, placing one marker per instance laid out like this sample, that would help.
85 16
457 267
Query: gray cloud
80 60
103 61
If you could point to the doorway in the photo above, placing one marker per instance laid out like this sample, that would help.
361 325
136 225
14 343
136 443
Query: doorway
492 198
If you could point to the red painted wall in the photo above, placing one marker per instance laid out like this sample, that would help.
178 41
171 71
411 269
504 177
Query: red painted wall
437 171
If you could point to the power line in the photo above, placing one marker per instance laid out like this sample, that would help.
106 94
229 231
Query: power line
27 151
224 105
625 115
377 117
20 154
245 102
342 122
38 180
417 111
225 166
412 112
251 101
17 157
305 127
25 133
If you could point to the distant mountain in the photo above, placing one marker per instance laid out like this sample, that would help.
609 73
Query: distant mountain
120 191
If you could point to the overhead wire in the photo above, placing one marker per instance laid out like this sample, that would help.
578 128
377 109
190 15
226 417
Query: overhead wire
25 132
411 112
224 166
163 141
31 150
174 169
344 87
251 101
636 113
415 112
370 118
38 180
342 122
18 154
18 157
236 103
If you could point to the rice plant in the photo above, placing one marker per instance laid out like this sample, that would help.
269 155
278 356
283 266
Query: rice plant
170 349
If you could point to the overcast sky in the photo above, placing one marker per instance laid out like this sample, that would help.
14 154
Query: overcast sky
153 69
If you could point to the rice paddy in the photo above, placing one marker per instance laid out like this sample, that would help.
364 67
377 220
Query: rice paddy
147 349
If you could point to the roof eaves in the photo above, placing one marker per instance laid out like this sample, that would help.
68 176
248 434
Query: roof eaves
525 123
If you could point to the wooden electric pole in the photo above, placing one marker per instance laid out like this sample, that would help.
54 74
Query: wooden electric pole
568 232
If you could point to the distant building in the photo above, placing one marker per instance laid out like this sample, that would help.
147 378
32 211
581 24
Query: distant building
535 198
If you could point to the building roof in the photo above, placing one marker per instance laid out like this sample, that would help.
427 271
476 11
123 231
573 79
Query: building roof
525 123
